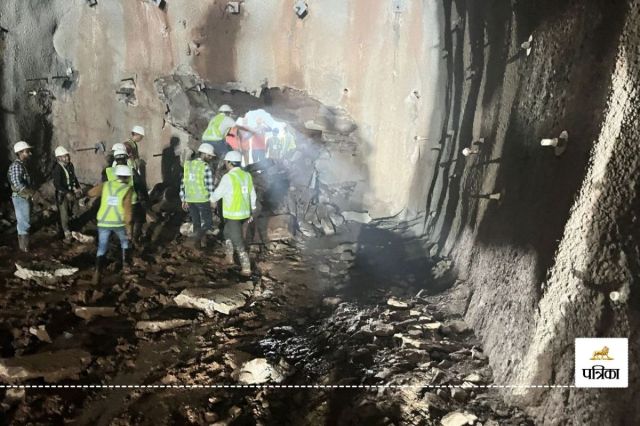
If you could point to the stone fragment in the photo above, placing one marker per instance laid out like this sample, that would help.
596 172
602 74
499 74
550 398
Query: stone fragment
474 378
44 271
458 326
41 333
433 325
459 395
457 418
88 313
186 229
381 329
52 366
396 303
157 326
81 238
259 370
211 300
360 217
435 404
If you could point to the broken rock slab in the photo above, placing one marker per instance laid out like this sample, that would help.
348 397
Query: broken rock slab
259 370
211 300
44 271
360 217
157 326
52 366
88 313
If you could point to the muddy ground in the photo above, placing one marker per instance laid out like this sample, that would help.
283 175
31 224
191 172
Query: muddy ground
317 312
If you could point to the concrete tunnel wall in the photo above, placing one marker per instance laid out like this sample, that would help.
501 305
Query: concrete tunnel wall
379 61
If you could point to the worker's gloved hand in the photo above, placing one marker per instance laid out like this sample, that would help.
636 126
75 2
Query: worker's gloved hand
250 220
185 206
27 193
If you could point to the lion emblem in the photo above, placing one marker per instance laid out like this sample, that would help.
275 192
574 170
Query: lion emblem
602 354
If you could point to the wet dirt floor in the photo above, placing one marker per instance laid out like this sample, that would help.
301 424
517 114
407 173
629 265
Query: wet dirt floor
353 345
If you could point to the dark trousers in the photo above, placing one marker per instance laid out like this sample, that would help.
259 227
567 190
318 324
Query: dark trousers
201 217
233 232
220 148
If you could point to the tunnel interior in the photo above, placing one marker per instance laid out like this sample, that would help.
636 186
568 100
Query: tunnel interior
446 200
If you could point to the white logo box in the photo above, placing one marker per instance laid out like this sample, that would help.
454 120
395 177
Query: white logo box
601 362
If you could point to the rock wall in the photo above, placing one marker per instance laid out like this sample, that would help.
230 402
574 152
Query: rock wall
543 259
378 62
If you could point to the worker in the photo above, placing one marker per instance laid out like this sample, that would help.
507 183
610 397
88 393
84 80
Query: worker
131 145
238 206
281 144
141 206
22 192
195 191
218 129
257 144
67 188
114 215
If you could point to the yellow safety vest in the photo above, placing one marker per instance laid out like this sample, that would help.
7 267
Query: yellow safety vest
213 132
238 206
111 176
194 188
111 213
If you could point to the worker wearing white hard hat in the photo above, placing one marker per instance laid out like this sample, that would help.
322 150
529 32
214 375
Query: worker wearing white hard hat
22 192
219 127
195 191
238 206
141 205
67 187
114 216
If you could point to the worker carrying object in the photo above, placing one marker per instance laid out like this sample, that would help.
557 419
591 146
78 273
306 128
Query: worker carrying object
238 205
22 192
114 216
196 190
67 189
218 129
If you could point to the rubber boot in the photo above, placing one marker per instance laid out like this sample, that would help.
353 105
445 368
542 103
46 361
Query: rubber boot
245 263
228 252
97 274
137 234
23 242
127 260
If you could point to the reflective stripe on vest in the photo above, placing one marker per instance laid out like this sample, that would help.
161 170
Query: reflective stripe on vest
111 176
111 213
238 206
194 188
213 129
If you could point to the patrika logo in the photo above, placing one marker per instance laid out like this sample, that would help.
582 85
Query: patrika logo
602 354
601 362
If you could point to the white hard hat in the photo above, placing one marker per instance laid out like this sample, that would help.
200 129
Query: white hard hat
138 129
123 170
233 156
60 151
119 147
225 108
21 146
206 148
120 153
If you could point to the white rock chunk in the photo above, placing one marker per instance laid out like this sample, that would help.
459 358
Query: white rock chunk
211 300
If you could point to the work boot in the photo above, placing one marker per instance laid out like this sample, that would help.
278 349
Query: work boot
245 263
97 274
228 252
67 237
127 260
203 242
23 243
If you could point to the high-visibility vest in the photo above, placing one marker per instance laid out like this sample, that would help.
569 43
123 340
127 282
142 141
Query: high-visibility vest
111 176
194 188
238 205
213 132
111 213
